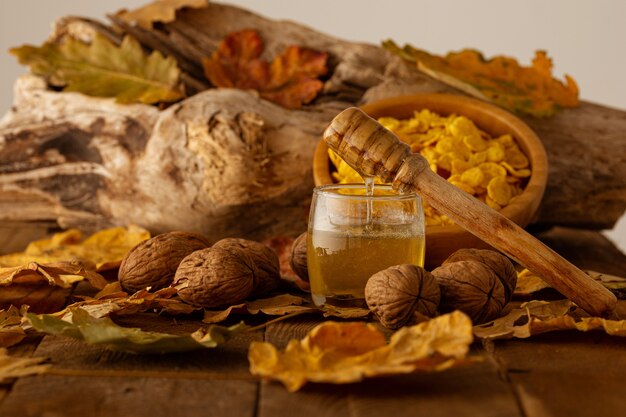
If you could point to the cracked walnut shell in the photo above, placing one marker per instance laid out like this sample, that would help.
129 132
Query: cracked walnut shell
153 263
215 277
267 274
472 287
402 295
500 264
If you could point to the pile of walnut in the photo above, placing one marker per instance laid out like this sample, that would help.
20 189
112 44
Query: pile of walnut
477 282
223 274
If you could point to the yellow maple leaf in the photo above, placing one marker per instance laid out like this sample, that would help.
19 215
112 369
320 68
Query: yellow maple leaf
502 80
342 353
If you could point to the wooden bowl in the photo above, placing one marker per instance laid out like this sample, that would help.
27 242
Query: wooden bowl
441 241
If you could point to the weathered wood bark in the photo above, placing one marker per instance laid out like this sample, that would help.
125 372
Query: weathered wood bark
225 162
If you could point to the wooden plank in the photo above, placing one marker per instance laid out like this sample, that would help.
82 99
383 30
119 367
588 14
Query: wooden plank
226 361
567 374
468 391
90 380
74 396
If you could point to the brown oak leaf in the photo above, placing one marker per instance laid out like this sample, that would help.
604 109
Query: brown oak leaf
291 80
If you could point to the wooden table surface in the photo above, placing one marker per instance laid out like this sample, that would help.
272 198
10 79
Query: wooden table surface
557 374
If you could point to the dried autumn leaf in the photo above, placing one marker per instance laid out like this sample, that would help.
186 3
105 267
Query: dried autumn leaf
291 80
345 312
501 80
274 306
45 288
11 332
60 274
104 332
281 305
536 317
122 304
342 353
163 11
102 69
103 250
15 367
528 283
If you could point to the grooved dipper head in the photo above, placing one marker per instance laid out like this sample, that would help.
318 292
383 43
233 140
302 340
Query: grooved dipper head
365 144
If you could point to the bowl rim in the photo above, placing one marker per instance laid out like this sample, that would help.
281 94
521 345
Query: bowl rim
530 198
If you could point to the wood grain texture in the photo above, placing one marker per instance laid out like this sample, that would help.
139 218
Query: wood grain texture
72 396
225 162
470 391
442 241
586 149
563 373
367 146
567 374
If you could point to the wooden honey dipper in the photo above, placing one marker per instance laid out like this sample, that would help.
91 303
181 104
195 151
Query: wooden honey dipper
372 150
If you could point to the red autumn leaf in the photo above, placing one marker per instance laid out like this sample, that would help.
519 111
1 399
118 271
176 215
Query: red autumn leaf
291 80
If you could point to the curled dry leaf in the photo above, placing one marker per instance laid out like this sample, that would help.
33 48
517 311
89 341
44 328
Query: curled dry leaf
11 332
60 274
15 367
104 332
281 305
343 353
45 288
536 317
528 283
274 306
163 11
530 90
103 69
122 304
291 80
104 250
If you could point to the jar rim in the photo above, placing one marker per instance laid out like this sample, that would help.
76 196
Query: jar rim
329 190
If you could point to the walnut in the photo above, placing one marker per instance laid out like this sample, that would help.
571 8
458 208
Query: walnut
298 260
215 277
500 264
267 275
402 295
153 263
472 287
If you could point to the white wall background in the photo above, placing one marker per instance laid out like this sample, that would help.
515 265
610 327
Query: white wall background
586 38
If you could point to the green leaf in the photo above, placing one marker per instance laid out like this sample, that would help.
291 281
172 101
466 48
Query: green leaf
102 69
103 331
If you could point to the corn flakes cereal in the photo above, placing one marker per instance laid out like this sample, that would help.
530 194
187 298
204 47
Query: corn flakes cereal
493 169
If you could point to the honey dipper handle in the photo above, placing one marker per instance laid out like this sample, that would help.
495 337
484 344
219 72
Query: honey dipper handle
381 152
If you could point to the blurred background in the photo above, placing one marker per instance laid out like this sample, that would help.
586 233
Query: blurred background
585 38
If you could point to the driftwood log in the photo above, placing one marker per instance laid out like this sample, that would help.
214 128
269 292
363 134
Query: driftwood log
225 162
